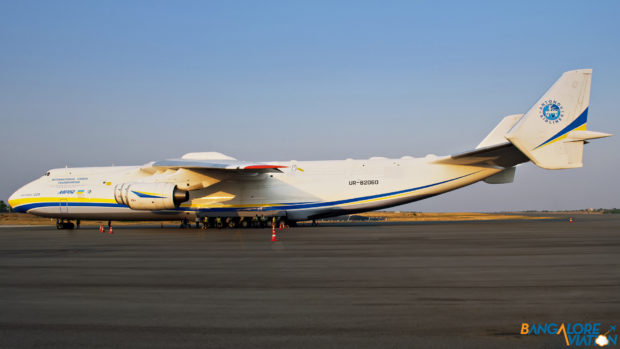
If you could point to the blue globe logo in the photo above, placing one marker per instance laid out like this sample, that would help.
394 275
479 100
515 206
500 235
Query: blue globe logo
552 112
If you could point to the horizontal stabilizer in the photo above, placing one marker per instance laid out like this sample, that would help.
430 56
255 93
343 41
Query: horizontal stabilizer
503 155
586 135
498 135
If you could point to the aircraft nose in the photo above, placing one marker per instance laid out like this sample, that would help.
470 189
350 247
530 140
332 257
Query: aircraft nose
13 200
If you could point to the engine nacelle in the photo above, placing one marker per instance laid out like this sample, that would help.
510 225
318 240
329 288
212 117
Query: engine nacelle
150 196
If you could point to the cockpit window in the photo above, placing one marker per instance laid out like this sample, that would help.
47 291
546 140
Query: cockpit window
47 173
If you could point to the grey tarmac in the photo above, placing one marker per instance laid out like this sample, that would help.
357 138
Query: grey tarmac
437 285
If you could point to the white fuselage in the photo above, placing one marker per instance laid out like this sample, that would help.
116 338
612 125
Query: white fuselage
303 190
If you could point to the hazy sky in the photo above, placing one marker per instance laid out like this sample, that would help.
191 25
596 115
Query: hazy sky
92 83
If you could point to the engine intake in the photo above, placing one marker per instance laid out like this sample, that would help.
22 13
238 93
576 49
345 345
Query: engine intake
150 196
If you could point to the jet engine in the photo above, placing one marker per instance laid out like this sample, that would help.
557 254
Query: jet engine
150 196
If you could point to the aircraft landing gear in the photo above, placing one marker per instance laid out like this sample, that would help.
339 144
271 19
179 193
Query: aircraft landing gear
184 224
207 223
232 223
242 222
64 224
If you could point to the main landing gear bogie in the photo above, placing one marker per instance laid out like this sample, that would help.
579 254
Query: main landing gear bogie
67 224
185 224
241 222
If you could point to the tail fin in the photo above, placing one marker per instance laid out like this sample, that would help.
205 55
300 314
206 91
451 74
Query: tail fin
552 133
496 137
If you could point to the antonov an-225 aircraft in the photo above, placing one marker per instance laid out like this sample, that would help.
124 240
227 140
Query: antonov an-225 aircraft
212 187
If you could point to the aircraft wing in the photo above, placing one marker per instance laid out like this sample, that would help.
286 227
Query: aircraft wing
504 155
232 165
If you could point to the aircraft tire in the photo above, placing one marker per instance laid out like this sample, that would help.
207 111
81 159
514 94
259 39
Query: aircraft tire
65 225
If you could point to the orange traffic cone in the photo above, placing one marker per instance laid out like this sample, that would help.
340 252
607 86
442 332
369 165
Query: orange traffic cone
570 220
111 231
101 230
281 225
274 238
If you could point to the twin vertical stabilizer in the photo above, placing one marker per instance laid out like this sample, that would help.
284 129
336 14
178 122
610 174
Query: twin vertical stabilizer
552 133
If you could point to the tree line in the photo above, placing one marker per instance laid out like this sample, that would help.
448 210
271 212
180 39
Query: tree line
3 207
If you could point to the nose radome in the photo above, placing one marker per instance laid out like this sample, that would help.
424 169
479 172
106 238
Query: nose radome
21 199
12 200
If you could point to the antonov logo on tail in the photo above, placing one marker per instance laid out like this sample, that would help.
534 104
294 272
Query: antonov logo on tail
551 111
215 189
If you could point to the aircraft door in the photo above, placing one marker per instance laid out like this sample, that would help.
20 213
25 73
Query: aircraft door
63 206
